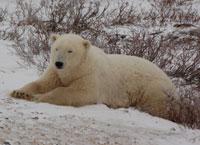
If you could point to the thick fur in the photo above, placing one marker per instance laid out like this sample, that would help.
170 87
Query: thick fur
90 76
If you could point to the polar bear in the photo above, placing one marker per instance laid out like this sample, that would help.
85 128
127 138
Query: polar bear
81 74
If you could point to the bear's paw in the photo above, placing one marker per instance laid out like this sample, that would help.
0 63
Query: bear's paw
21 95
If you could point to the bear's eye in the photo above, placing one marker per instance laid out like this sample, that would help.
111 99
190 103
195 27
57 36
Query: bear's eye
69 51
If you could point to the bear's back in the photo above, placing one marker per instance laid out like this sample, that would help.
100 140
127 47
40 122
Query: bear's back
134 64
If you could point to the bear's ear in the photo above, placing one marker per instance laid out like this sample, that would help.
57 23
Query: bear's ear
86 44
54 37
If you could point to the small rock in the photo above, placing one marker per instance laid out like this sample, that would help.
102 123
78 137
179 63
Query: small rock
173 129
35 118
6 143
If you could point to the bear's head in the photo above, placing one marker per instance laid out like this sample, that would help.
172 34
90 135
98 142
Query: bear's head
68 51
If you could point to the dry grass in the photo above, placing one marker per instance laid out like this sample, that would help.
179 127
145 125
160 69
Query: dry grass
185 111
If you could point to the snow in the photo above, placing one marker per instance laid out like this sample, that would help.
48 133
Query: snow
30 123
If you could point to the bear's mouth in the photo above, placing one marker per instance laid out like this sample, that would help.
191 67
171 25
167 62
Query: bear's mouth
59 64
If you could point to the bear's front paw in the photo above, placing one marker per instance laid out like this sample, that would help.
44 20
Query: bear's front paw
21 95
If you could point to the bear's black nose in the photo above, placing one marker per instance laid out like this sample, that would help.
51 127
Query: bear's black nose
59 64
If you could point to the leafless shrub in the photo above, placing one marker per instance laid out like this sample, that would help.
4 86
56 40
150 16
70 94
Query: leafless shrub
164 12
185 111
3 18
125 14
3 13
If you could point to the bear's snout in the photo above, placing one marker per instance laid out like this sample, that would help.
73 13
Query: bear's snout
59 64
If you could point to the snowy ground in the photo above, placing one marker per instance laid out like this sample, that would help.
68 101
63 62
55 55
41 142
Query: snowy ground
27 123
